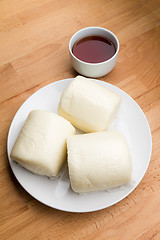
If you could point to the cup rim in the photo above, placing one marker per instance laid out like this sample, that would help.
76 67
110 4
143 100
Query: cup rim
100 63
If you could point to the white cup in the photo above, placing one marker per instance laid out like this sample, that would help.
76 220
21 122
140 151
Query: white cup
93 69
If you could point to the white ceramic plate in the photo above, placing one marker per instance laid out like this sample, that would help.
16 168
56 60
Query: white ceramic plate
57 193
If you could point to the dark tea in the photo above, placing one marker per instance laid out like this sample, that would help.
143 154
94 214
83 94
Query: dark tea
94 49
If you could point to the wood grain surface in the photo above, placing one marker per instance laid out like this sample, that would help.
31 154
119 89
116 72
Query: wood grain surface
34 36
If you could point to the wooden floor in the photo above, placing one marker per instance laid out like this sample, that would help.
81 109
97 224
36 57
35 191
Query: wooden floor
34 36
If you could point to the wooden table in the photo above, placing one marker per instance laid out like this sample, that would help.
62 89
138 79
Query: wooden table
34 36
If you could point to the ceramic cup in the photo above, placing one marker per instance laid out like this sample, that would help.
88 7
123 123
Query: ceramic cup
93 69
